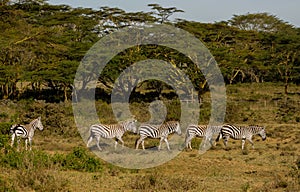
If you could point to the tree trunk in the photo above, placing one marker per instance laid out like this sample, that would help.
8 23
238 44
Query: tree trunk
65 94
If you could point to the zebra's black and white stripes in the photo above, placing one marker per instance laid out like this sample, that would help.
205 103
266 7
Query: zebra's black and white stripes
241 133
111 131
155 131
25 131
206 131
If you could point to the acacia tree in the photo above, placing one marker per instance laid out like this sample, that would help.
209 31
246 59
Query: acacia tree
163 13
263 22
13 28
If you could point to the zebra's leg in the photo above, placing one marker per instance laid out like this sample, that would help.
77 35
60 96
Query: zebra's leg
206 140
12 139
98 143
219 137
138 143
116 143
89 141
190 145
211 142
243 143
160 141
250 140
143 144
120 139
225 140
188 142
168 146
26 143
30 143
18 143
215 141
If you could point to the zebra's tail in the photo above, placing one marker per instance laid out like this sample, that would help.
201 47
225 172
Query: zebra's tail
186 137
90 138
219 137
136 142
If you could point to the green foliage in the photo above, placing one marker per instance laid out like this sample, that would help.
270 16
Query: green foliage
41 46
259 22
3 141
57 118
78 160
4 128
24 160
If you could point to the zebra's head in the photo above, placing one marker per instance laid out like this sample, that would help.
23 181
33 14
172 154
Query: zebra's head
130 125
38 123
262 133
178 129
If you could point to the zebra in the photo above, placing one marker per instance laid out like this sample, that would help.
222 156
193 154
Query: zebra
156 131
207 131
241 133
25 131
111 131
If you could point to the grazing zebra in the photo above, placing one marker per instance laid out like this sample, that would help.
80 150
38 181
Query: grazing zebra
241 133
25 131
155 131
111 131
206 131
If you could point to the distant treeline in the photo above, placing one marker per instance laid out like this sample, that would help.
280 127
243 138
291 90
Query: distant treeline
41 46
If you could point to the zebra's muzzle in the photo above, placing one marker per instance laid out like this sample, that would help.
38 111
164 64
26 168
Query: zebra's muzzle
264 138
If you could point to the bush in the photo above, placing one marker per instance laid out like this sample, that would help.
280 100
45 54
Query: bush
25 159
57 118
4 128
4 140
77 160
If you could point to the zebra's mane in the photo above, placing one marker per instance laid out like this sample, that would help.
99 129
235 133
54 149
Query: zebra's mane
255 128
166 124
29 126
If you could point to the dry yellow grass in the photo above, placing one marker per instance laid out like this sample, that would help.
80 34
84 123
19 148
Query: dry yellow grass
271 166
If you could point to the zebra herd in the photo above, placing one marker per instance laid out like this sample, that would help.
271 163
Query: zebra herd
116 131
162 131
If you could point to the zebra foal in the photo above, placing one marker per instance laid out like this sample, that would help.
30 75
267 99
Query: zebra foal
241 133
156 131
98 131
25 131
207 131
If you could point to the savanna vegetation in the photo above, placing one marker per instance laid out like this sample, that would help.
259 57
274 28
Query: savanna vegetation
41 46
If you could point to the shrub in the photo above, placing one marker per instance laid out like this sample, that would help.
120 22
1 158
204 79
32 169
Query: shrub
78 160
4 139
25 159
4 128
